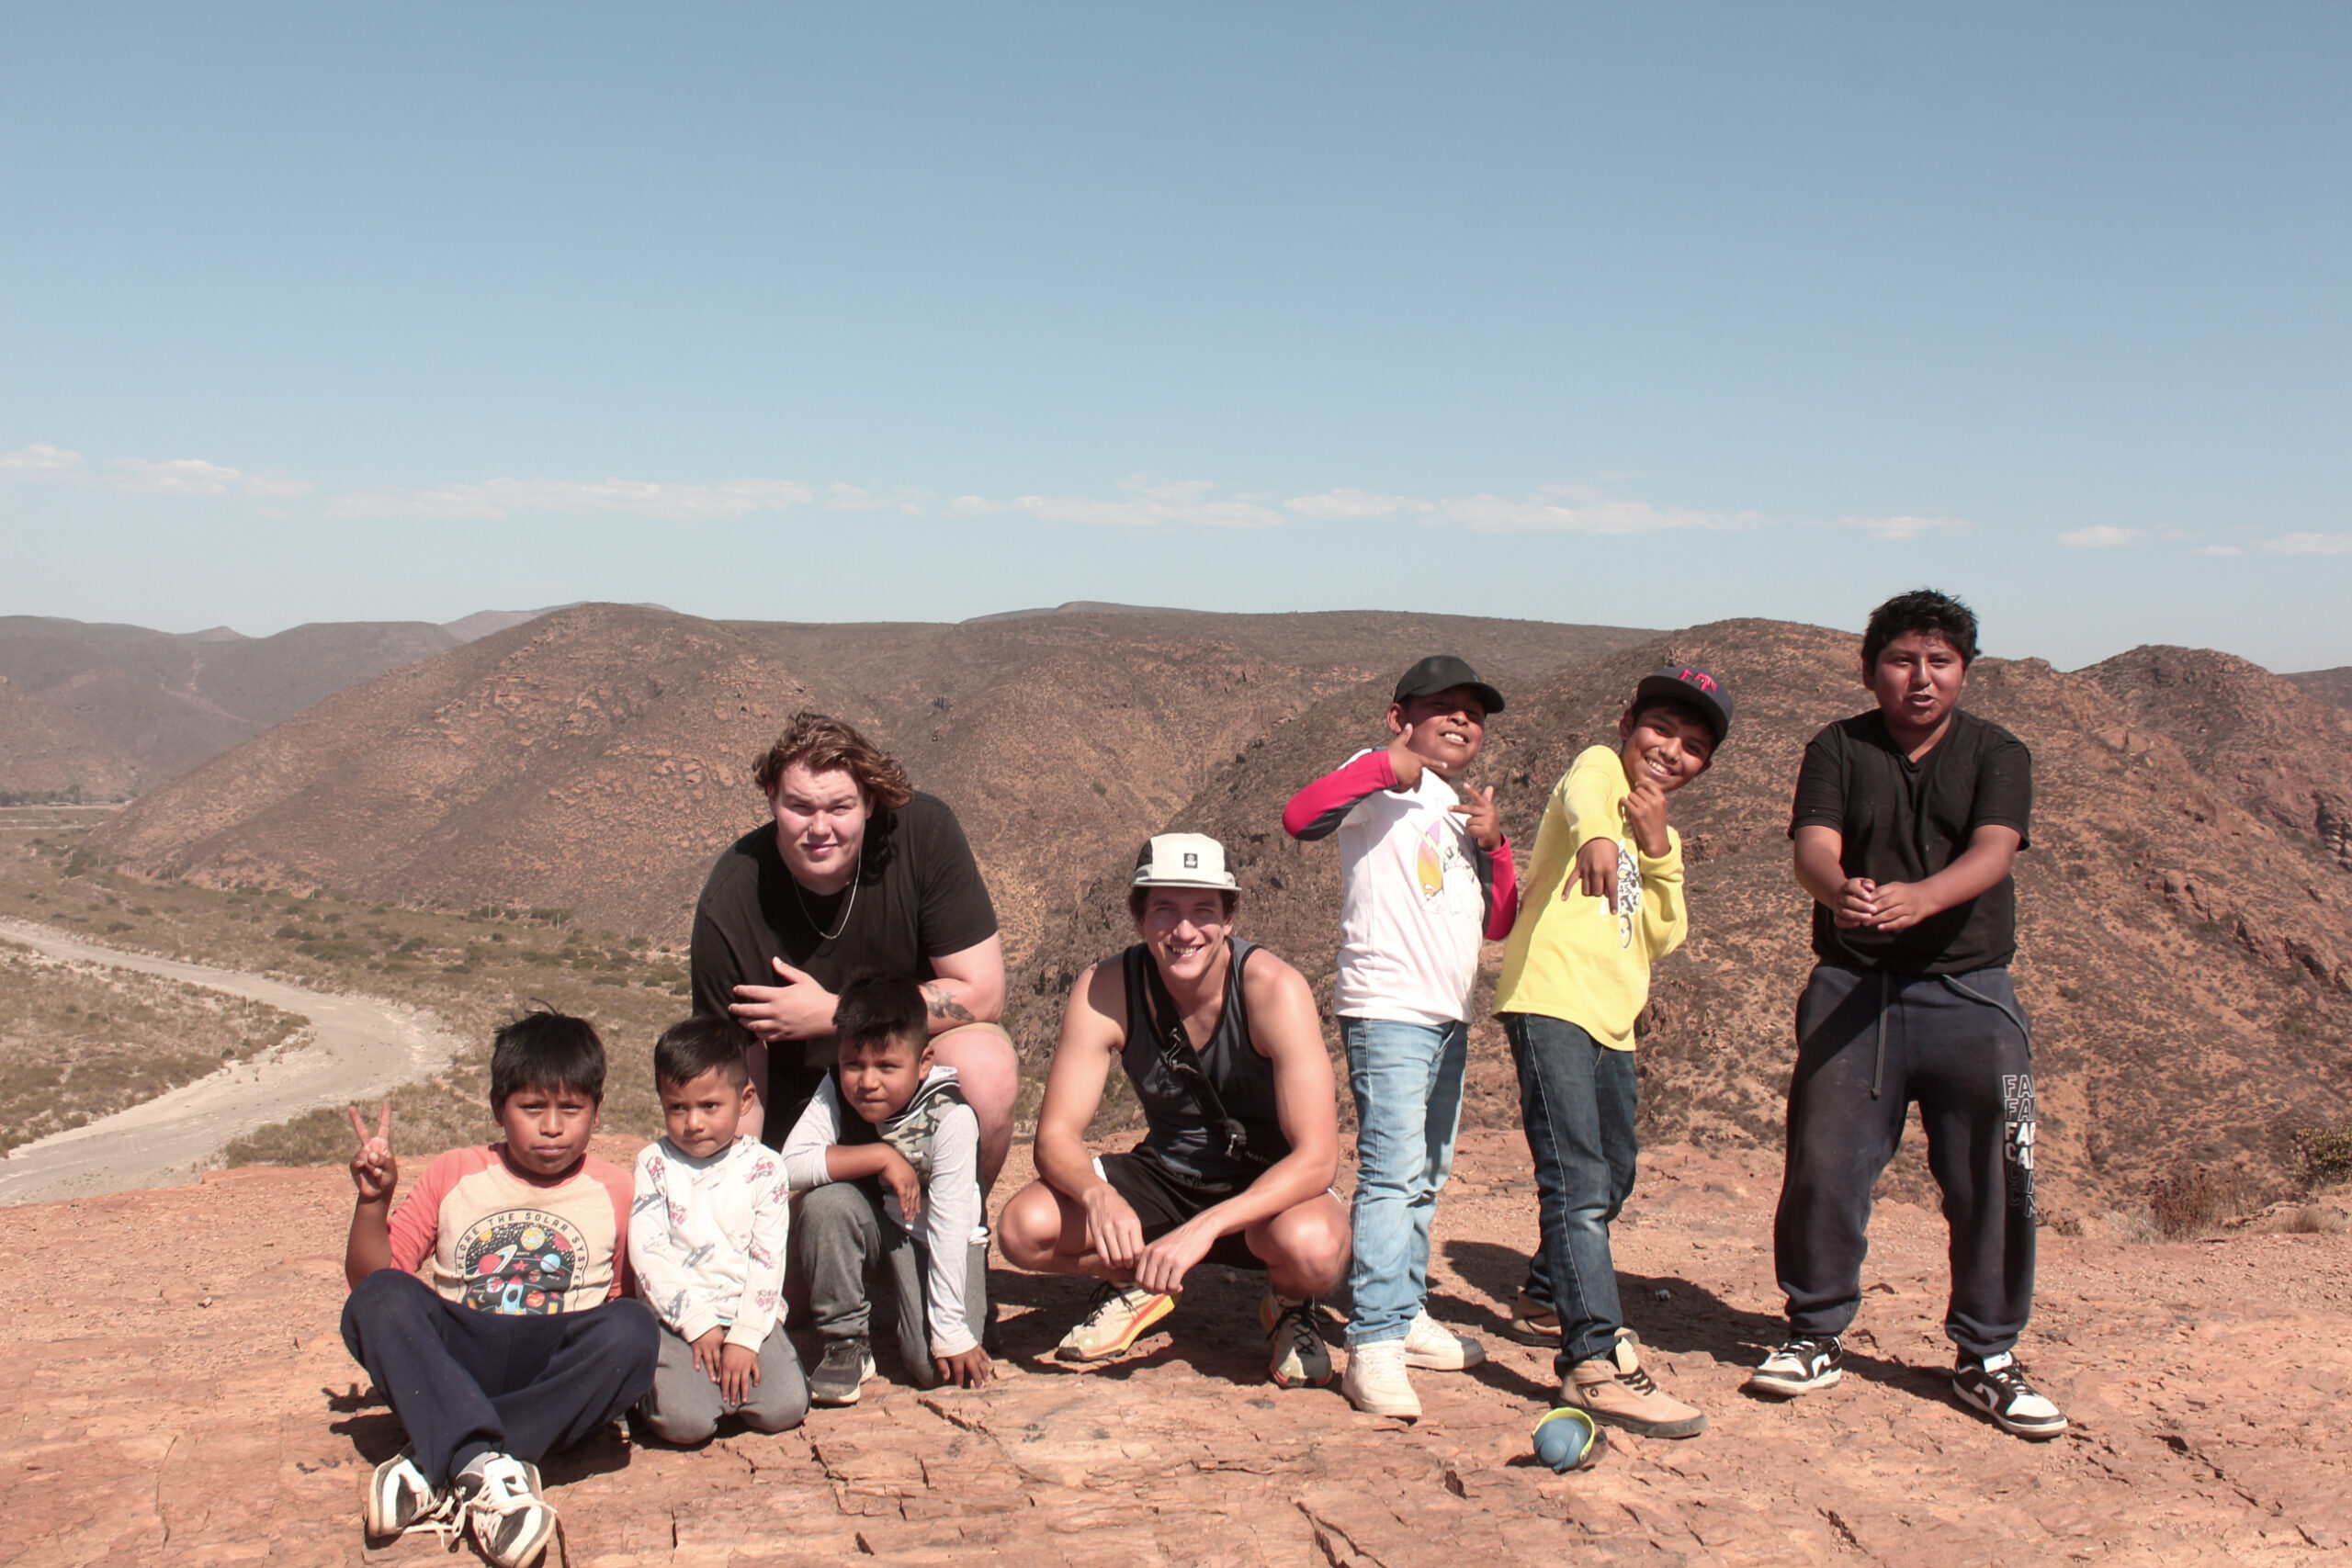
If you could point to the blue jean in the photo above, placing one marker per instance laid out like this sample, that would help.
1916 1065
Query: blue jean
1408 1082
1576 1099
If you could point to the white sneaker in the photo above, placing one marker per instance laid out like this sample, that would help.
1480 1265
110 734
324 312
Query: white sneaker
399 1499
1375 1382
510 1523
1433 1347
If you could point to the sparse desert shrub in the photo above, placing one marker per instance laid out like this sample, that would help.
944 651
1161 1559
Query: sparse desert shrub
2193 1199
2309 1219
2323 1155
2133 1225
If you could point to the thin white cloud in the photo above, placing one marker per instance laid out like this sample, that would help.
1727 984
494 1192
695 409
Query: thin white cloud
2217 550
271 485
495 499
39 460
1354 506
1901 527
1151 503
2310 545
858 498
1574 509
175 476
2100 537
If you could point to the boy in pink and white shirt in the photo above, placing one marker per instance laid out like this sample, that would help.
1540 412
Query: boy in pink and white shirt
1427 876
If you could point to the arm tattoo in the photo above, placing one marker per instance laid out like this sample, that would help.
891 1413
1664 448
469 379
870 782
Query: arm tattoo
944 1005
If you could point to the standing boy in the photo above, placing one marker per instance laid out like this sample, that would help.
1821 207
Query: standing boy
706 1239
1906 820
1604 904
1426 877
526 1341
894 1184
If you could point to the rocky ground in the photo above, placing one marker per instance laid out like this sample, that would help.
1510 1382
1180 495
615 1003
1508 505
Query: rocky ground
172 1389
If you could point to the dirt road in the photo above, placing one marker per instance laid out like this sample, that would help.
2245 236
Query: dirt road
359 1049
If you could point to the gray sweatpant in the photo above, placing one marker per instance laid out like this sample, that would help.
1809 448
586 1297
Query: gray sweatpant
683 1406
843 1243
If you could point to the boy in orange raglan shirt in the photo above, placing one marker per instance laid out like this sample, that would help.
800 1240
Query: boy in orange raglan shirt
526 1340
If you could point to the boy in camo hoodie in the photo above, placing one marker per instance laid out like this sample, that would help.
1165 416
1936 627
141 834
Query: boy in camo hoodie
893 1187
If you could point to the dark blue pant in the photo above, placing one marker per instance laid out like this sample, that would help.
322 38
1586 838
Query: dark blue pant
1868 1045
466 1382
1576 1099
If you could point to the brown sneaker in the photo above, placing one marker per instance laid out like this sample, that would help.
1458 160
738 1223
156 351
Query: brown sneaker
1534 1323
1614 1389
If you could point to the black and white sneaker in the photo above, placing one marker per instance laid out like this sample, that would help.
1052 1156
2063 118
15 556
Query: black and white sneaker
1996 1386
842 1374
1803 1363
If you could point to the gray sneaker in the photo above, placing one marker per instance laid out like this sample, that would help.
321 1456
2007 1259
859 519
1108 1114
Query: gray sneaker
841 1375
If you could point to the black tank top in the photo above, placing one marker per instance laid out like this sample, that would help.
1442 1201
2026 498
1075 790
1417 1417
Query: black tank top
1180 1134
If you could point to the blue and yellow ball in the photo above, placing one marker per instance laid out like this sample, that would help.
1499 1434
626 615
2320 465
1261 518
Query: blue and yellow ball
1566 1439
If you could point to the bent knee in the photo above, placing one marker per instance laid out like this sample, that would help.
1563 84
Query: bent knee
782 1416
1030 1226
681 1429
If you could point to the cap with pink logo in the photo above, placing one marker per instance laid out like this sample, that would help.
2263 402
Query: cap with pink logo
1693 687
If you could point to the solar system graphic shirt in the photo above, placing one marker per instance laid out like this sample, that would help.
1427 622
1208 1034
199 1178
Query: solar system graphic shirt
1418 892
500 1244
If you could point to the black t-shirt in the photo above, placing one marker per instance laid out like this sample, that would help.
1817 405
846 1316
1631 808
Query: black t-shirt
1902 821
918 895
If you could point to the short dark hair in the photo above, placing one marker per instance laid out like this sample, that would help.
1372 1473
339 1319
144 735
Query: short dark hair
547 1050
692 1046
874 1008
1921 610
1139 896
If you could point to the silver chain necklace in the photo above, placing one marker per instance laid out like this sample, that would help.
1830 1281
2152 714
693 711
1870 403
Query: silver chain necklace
823 935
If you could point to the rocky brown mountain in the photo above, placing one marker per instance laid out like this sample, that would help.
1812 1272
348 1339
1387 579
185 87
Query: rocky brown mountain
2332 686
2187 958
45 752
597 758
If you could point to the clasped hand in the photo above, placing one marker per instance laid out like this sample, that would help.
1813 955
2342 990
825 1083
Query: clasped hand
1879 906
800 1009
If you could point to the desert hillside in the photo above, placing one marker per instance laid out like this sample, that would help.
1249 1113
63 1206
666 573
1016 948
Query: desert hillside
2186 955
596 760
46 751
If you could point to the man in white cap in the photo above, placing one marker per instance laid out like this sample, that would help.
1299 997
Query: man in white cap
1224 1047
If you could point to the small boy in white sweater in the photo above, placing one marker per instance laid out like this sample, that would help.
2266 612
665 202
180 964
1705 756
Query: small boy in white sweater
893 1187
706 1237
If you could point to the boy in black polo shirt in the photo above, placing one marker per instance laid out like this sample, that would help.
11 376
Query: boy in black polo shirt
1906 821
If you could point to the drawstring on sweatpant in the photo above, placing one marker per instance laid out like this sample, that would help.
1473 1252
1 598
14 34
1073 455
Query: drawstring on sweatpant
1878 1067
2003 1009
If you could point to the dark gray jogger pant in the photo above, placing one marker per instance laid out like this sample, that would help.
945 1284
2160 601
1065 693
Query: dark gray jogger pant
1868 1045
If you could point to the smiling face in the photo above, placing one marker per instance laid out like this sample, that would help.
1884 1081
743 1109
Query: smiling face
547 1129
701 1115
1664 745
820 825
878 1077
1916 679
1185 928
1448 727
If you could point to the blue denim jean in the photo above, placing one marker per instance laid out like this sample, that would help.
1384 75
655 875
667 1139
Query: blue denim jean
1408 1082
1576 1099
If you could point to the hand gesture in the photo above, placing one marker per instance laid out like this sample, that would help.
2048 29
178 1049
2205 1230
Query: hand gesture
739 1369
970 1369
1162 1265
1405 760
1856 903
798 1009
1112 1232
1596 873
1644 814
1479 815
1898 906
900 1177
374 1171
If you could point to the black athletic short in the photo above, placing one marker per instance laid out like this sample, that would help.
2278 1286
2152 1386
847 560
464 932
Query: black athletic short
1164 1200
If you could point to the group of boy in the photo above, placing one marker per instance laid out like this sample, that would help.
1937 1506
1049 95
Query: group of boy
564 1294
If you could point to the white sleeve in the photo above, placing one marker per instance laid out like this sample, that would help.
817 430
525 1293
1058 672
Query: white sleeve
663 1278
951 1207
771 1201
818 1129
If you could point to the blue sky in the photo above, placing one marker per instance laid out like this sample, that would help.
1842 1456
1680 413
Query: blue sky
1646 315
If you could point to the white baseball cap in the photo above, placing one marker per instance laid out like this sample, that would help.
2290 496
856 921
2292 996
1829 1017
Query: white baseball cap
1183 860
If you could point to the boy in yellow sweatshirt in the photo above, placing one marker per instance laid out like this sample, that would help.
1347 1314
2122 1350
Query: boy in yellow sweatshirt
1603 903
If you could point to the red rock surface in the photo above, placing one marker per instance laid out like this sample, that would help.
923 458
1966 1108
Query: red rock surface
175 1391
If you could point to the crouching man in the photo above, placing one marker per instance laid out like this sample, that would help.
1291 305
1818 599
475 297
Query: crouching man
1222 1043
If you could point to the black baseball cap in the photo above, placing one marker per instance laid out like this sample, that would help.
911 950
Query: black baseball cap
1443 673
1692 687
